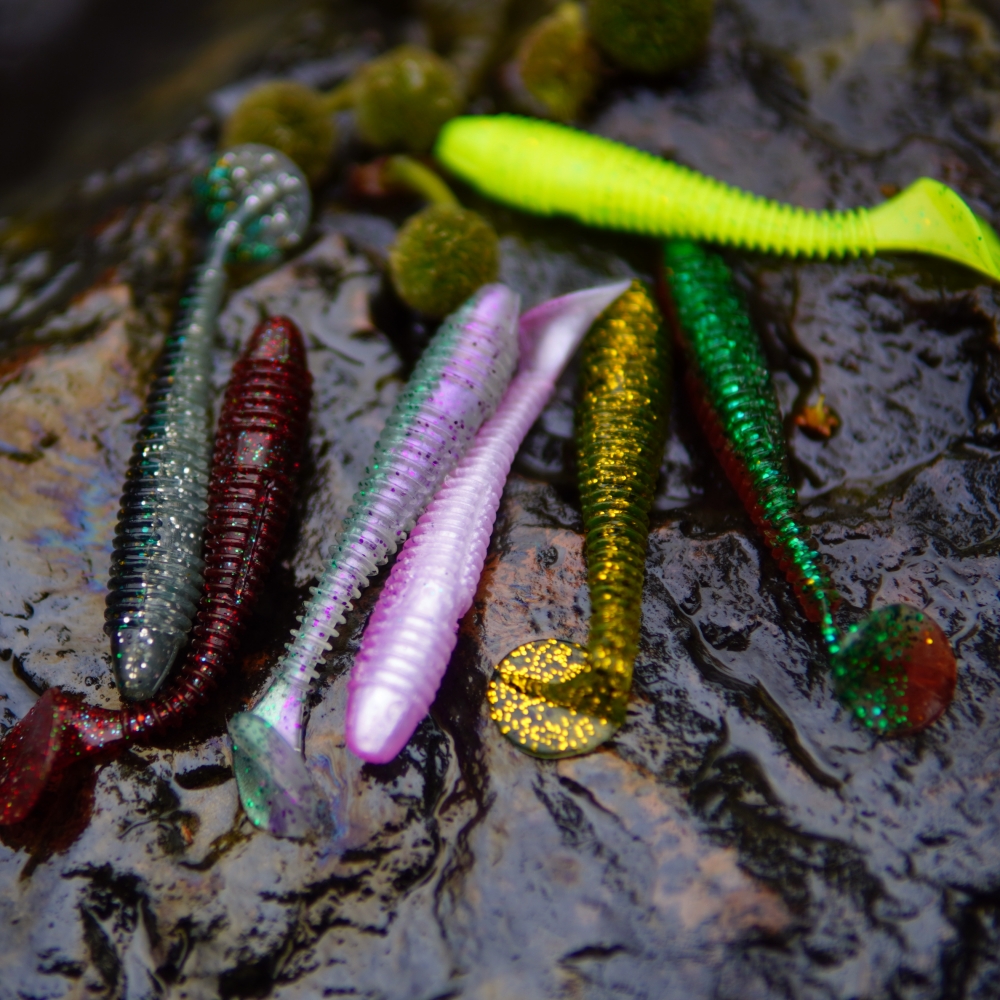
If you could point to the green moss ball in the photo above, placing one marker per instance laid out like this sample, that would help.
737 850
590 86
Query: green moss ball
403 98
650 36
289 117
441 256
559 64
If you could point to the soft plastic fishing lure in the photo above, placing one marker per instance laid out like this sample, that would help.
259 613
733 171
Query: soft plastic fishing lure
454 388
413 630
262 201
550 169
896 672
261 431
552 698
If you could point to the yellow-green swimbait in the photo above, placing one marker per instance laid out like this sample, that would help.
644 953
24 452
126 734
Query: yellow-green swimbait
550 169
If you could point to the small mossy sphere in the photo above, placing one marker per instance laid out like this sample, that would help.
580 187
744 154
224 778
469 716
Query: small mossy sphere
402 99
289 117
559 64
650 36
441 256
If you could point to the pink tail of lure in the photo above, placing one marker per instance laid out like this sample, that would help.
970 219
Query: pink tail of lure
896 671
413 629
261 432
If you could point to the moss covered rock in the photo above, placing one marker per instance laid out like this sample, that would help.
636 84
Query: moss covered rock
650 36
441 256
289 117
404 97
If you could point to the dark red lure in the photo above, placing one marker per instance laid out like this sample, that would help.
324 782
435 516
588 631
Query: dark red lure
258 445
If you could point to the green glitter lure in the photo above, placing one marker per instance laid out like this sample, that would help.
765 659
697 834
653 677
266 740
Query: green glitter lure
550 169
553 698
896 672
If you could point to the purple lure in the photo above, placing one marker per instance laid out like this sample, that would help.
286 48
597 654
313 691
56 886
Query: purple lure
413 629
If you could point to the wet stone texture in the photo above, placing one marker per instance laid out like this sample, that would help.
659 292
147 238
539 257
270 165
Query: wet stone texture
740 838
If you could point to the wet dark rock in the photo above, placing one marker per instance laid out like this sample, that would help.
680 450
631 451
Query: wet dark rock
740 838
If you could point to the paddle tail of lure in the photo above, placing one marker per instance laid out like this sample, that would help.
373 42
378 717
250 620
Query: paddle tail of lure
262 429
263 201
551 698
413 630
897 671
454 388
551 169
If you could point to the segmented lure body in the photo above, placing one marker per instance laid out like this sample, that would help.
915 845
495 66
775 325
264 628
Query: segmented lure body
550 169
897 672
262 429
548 697
413 630
455 386
156 564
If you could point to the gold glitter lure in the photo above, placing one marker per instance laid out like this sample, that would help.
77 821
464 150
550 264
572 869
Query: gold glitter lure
553 698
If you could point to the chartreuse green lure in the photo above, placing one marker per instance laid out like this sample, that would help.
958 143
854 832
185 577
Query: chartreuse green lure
557 699
551 169
896 672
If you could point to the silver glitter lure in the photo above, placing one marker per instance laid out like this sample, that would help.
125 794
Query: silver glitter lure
261 201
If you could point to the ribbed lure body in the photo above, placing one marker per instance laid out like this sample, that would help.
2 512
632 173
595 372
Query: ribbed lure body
412 631
896 672
731 388
550 169
258 446
262 429
156 564
454 388
549 698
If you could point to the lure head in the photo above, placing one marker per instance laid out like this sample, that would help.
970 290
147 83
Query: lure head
141 658
276 339
252 172
276 789
896 672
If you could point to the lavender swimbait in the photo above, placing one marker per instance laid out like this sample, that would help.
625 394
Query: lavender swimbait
413 629
454 388
262 203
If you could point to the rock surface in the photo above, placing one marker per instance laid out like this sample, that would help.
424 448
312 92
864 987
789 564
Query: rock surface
739 839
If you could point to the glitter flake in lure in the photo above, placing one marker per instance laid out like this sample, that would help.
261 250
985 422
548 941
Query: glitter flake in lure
412 631
262 429
454 388
552 698
262 203
550 169
896 671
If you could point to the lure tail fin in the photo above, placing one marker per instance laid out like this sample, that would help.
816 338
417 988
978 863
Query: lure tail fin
896 671
277 790
928 217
